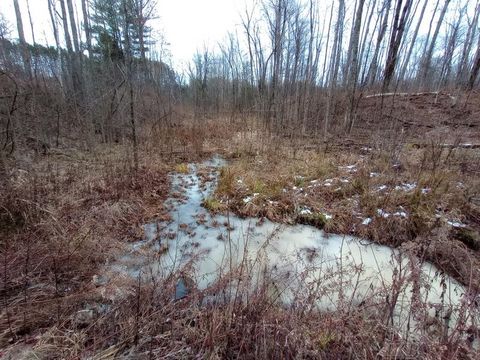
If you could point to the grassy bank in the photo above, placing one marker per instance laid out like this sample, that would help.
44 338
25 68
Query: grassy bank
68 213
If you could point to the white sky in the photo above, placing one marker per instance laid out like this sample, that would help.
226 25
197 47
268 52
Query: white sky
187 25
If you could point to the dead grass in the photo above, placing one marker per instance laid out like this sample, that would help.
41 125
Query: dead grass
67 214
61 225
403 200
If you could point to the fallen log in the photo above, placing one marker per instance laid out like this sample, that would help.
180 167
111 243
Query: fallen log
447 146
435 93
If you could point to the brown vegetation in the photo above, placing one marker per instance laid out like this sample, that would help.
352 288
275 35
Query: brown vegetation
63 221
374 134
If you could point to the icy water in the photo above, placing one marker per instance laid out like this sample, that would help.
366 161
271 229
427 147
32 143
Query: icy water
295 261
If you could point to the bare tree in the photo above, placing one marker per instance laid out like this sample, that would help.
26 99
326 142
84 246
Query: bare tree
353 74
462 68
475 68
33 40
73 26
373 70
129 61
334 64
433 42
400 19
86 27
53 18
23 44
412 43
73 63
450 47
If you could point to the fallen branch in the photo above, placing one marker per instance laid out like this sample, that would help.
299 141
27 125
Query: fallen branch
449 146
408 94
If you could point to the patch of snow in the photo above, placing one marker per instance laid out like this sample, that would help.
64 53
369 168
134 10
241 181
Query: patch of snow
456 224
406 186
426 190
338 189
366 148
314 181
247 199
382 187
355 202
383 213
239 181
294 188
305 211
349 168
374 174
401 214
328 182
345 181
366 221
327 216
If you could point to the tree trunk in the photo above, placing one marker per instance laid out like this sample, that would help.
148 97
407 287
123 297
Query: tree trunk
401 76
86 27
467 47
72 61
372 72
73 25
475 68
23 44
401 16
53 18
353 75
129 59
334 66
429 54
33 41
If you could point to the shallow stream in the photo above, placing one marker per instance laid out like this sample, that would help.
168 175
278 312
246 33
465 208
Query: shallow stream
295 261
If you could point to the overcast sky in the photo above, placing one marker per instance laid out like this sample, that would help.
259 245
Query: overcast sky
187 25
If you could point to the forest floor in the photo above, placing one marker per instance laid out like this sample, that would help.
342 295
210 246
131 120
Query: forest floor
412 182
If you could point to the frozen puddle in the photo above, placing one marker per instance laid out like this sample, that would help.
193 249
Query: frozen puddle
296 261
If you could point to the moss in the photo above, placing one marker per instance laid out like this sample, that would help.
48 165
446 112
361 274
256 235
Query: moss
267 189
299 181
325 339
212 204
469 237
259 187
316 219
182 168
